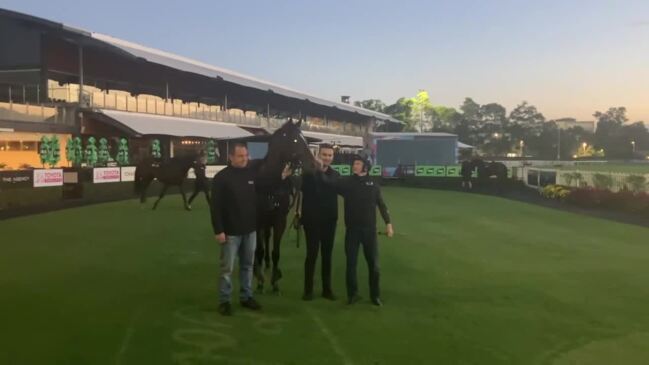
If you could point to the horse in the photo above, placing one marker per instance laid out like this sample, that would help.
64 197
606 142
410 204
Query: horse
287 146
491 169
169 173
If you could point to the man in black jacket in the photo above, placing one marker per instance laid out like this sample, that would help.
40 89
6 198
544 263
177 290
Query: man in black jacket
234 220
319 216
361 196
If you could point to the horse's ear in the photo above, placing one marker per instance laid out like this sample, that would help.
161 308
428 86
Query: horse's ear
299 123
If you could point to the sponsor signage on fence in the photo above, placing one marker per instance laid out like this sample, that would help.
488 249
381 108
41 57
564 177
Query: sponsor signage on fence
210 171
48 177
344 170
376 171
128 173
16 179
106 175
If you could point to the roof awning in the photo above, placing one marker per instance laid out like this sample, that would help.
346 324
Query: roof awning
148 124
336 139
463 145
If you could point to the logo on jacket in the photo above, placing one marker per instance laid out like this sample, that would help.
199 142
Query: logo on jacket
251 182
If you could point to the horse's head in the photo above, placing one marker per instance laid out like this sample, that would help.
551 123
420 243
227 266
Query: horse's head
289 146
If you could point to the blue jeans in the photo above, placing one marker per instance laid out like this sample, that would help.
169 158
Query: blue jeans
244 247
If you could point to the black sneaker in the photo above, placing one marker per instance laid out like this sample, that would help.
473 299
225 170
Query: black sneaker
307 297
329 295
377 302
251 303
354 299
225 309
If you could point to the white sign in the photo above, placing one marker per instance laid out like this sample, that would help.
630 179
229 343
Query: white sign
51 177
106 174
128 173
210 171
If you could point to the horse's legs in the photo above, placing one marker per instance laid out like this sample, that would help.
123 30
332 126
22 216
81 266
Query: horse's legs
162 193
279 226
259 259
267 229
191 198
182 193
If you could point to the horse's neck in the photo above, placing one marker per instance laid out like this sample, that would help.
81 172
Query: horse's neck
271 164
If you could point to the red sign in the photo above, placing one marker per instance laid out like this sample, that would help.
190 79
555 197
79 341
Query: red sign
51 177
106 174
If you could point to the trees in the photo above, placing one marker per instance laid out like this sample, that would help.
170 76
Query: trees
90 154
122 152
103 155
402 110
494 132
371 104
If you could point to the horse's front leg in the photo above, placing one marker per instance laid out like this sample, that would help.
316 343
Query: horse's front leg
259 258
278 231
162 193
182 193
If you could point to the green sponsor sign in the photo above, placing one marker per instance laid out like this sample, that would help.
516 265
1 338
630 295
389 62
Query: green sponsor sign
376 171
453 170
344 170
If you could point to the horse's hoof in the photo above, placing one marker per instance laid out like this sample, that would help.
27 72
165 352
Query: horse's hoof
188 208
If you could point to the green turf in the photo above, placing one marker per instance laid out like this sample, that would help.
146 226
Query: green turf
469 279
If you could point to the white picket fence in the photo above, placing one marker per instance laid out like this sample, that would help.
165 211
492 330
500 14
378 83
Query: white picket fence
562 177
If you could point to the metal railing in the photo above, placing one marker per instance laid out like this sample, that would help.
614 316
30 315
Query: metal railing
24 103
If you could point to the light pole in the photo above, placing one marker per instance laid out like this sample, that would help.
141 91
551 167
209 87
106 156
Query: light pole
522 143
633 146
558 143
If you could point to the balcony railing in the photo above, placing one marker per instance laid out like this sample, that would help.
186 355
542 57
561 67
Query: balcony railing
23 103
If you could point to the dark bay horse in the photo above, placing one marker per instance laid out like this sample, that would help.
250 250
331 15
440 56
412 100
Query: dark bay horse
489 170
287 146
169 173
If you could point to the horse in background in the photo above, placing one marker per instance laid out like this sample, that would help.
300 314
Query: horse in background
491 169
170 173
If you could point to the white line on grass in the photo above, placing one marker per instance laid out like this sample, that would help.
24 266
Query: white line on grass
332 339
127 337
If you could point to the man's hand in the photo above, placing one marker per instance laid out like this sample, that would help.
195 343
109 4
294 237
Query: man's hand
318 163
286 172
221 238
389 231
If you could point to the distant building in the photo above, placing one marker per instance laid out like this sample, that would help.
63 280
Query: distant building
567 123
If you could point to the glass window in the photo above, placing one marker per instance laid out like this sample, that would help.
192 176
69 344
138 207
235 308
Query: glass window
14 146
30 146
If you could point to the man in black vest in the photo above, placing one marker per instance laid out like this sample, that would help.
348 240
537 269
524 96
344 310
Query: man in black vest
361 196
319 217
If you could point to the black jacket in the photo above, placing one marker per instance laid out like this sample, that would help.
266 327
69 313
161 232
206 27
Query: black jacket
234 201
319 200
362 195
235 197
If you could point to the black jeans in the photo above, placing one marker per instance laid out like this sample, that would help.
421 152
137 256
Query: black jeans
366 237
319 237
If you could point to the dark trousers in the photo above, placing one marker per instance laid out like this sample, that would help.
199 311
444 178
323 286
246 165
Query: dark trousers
319 237
354 239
